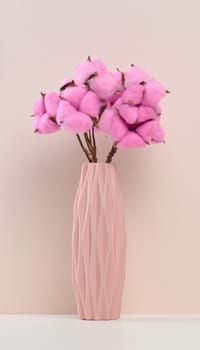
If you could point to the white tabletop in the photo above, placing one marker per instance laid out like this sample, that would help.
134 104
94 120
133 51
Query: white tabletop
66 332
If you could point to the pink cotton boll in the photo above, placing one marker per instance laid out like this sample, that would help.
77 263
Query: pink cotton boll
118 75
151 131
74 94
105 85
47 126
65 81
159 134
158 110
118 128
77 122
146 130
136 75
118 103
128 113
100 66
133 94
51 101
115 97
154 92
63 111
83 71
39 108
35 122
106 120
131 140
146 113
90 104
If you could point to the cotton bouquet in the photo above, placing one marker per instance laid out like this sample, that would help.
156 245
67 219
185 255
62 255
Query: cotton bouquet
121 104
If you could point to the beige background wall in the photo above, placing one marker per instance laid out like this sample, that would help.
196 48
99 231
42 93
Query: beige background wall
40 43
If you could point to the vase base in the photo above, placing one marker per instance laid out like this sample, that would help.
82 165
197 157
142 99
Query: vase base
99 318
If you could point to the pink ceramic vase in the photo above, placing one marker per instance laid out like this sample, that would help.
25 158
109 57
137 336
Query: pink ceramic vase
98 243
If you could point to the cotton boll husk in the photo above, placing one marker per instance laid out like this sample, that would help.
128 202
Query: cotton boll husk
39 107
133 94
51 101
90 104
128 113
65 81
64 110
74 94
77 122
146 113
154 92
131 140
105 85
46 126
106 120
118 128
136 75
151 130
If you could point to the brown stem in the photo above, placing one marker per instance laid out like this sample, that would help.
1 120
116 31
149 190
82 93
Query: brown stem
94 145
111 153
87 140
90 136
90 147
83 148
91 144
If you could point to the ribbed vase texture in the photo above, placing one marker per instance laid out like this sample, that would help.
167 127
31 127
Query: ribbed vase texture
98 243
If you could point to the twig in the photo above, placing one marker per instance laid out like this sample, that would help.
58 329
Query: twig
90 136
111 153
83 148
94 145
89 144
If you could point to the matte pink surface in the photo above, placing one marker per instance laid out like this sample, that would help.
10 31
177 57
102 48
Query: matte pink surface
98 243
